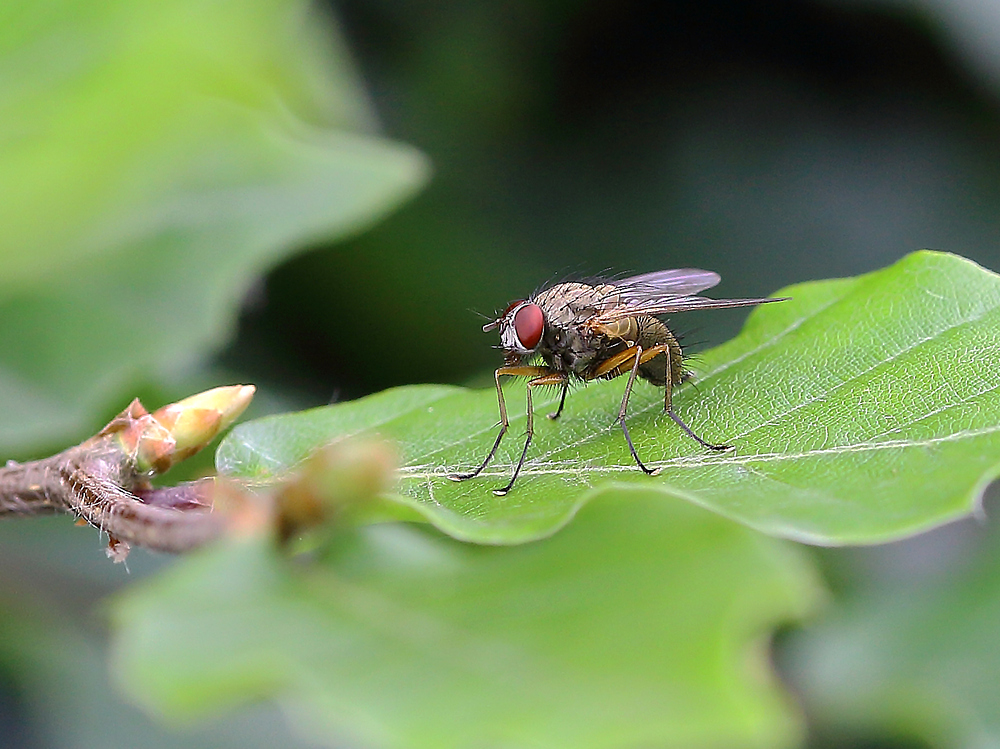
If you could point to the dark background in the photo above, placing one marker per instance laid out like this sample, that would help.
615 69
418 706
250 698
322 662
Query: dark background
772 142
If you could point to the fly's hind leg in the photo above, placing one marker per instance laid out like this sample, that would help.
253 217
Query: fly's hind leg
609 365
668 408
690 433
641 356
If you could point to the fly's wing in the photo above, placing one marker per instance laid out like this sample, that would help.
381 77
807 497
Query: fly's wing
665 292
665 284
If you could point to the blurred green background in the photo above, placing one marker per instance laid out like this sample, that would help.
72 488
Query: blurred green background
193 194
772 142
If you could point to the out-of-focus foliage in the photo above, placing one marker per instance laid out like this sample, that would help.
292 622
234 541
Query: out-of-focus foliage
154 159
57 689
911 655
643 623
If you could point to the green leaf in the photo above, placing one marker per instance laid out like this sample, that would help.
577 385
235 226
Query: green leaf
911 655
864 409
154 159
644 623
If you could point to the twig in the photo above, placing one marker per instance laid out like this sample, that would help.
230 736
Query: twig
105 480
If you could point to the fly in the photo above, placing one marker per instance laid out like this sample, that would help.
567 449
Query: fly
592 331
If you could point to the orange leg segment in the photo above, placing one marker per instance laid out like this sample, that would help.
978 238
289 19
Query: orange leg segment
613 362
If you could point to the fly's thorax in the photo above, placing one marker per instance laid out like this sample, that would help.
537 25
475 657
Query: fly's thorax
569 348
572 342
572 303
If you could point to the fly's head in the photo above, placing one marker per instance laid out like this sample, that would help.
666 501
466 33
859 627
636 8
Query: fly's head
521 327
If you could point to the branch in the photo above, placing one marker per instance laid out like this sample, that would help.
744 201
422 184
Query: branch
105 481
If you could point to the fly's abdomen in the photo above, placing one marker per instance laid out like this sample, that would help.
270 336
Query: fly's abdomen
651 332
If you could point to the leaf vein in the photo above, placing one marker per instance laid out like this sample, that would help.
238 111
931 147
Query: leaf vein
569 467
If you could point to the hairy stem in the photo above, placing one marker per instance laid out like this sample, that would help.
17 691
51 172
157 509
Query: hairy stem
91 484
105 480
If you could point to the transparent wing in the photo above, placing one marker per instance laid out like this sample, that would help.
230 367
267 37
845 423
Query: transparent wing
663 285
682 304
665 292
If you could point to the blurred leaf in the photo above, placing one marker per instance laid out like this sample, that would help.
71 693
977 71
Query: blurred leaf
644 623
863 409
154 159
56 660
917 658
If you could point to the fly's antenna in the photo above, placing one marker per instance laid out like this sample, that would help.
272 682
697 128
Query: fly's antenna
480 315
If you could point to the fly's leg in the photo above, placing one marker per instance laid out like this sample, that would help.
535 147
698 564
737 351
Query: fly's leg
504 423
552 378
668 408
639 356
695 437
613 362
621 411
562 401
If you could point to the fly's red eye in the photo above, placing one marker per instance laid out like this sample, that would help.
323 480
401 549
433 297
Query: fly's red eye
529 322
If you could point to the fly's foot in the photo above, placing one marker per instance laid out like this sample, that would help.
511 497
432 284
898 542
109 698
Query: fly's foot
510 484
646 469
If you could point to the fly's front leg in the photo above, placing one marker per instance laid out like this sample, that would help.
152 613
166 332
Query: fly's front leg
551 378
668 408
503 372
562 400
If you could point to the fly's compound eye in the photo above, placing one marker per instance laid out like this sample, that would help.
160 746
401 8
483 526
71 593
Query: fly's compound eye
529 322
503 321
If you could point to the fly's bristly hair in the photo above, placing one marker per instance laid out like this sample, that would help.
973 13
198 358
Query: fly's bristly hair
608 275
683 337
575 276
584 289
557 277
